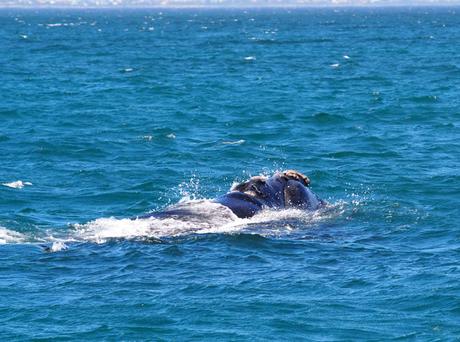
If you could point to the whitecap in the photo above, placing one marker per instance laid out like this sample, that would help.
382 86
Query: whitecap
17 184
147 137
335 65
171 136
9 236
57 246
250 58
237 142
346 57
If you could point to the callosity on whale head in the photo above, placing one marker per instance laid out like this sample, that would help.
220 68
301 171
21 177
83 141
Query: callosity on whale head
288 189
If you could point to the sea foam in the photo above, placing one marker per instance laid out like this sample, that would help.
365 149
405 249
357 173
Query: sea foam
9 236
205 217
17 184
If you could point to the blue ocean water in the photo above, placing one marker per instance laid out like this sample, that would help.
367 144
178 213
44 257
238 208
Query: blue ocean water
109 114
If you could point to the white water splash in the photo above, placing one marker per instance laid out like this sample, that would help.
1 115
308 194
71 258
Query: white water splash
201 217
17 184
9 236
204 217
190 190
57 246
201 214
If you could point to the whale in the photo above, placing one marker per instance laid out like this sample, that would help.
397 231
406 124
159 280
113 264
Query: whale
282 190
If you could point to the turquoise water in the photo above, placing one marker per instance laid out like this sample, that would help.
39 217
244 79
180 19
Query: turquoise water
106 115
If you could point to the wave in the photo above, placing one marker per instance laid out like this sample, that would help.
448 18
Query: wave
17 184
9 236
272 41
327 118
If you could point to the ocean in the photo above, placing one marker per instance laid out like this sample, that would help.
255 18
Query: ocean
106 115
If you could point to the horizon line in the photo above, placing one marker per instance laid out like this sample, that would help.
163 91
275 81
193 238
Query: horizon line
233 6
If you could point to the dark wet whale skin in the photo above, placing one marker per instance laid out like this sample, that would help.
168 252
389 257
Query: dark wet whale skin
275 192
